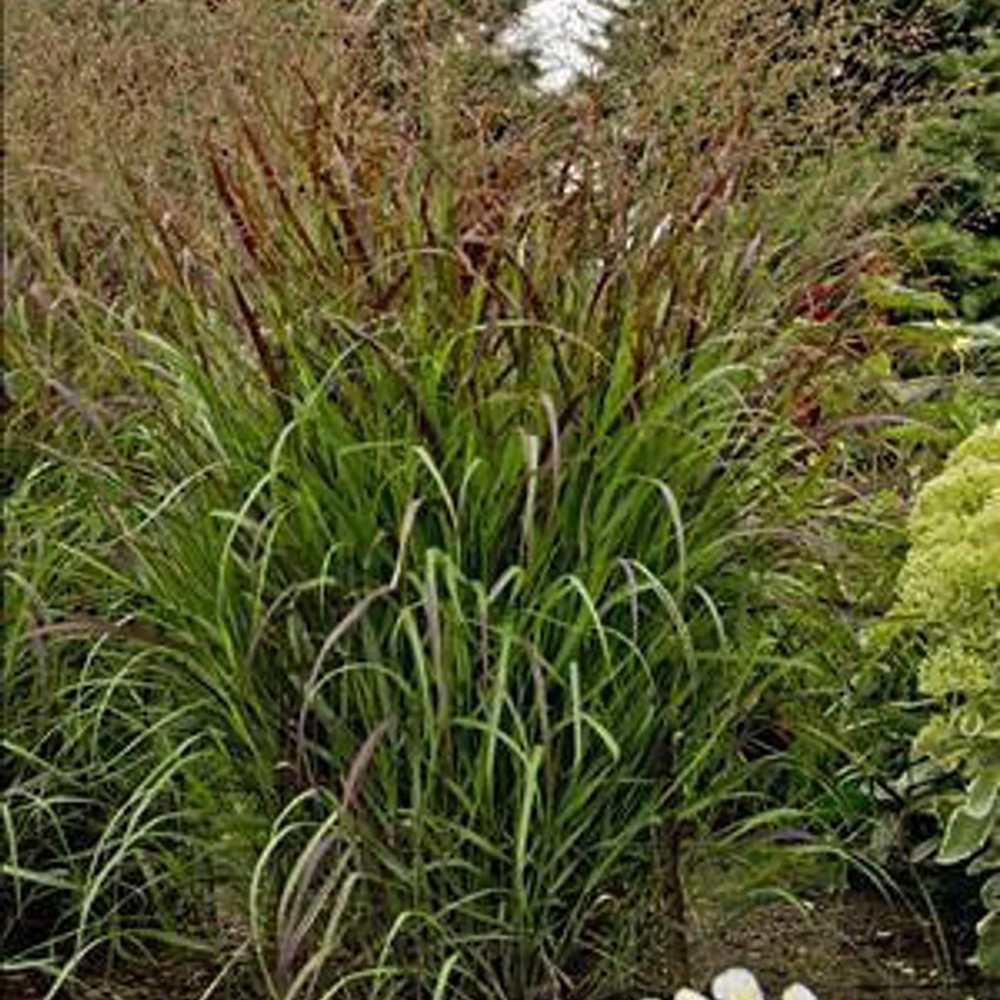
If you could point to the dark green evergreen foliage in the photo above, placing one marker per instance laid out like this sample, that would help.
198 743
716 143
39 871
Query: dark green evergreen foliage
958 246
954 244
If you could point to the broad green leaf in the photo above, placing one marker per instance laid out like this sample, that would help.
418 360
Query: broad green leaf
988 950
963 836
983 793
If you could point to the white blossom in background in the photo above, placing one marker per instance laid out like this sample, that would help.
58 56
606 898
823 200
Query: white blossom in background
558 31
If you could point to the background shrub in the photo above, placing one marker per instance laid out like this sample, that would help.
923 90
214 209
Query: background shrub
949 595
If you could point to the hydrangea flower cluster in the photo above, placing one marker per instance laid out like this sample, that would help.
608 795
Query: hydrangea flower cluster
949 606
740 984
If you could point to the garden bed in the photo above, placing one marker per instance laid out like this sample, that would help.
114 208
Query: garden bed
845 947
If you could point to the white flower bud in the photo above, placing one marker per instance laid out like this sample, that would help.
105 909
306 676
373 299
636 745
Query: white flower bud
736 984
798 992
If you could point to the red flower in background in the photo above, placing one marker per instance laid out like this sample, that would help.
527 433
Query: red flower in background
822 301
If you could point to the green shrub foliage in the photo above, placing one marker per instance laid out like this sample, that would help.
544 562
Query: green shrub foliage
949 591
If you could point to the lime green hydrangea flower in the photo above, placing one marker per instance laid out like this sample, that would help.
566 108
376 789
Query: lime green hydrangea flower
949 595
949 591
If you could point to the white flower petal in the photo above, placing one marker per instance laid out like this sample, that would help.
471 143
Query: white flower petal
687 994
736 984
798 992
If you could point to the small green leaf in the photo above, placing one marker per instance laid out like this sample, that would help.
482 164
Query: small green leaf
988 951
963 836
924 850
886 294
986 861
990 893
983 793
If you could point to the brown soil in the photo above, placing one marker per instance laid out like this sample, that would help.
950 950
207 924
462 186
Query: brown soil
854 947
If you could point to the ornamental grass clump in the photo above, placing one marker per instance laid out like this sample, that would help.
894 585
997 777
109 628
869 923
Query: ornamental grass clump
949 599
433 531
425 545
483 672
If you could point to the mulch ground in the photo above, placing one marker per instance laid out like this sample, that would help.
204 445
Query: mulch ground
856 946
